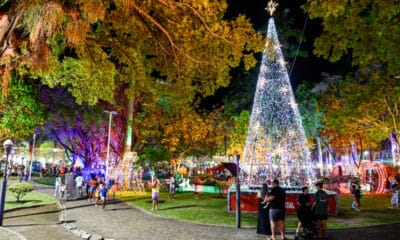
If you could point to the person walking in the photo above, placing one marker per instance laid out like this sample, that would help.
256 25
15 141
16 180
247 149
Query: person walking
320 208
303 211
355 191
276 199
96 195
263 224
103 196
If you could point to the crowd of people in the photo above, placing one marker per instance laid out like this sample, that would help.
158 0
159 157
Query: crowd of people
312 213
96 189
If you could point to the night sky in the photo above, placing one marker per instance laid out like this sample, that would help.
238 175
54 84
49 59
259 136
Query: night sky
305 69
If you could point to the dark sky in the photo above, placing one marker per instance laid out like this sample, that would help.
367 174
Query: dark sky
305 69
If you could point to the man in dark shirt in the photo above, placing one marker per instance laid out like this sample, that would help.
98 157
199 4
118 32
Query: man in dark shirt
276 199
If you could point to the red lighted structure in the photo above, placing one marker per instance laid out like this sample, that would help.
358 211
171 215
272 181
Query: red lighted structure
249 202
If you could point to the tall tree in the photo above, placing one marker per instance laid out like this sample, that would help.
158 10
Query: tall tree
93 47
368 30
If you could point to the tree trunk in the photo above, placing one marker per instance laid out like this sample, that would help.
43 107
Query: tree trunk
129 119
320 159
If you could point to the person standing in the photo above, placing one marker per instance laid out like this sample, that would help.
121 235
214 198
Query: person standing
172 184
276 199
21 171
57 186
93 184
320 207
79 184
197 183
394 203
263 224
155 190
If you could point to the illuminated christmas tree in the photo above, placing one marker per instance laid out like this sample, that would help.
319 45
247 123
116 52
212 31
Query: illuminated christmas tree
276 145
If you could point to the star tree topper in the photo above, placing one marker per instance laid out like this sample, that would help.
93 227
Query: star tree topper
271 7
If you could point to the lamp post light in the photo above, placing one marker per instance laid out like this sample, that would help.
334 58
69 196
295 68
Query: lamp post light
108 141
32 157
8 144
238 210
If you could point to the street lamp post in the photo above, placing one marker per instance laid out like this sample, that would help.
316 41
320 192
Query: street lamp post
108 141
238 210
8 144
32 156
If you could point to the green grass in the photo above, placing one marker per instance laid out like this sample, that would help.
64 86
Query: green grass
29 200
212 209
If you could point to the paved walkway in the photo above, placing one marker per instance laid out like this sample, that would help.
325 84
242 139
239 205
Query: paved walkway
121 221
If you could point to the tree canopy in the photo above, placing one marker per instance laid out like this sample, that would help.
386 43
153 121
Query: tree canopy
93 46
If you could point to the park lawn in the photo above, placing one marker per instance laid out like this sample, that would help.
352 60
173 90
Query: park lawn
375 210
29 200
212 209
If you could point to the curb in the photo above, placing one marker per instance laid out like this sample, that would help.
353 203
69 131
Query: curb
73 228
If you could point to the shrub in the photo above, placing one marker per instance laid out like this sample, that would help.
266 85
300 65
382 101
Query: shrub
20 189
45 180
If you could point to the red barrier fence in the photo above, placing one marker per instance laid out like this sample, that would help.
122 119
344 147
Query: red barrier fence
249 202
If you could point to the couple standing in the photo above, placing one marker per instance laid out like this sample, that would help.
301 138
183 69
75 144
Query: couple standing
271 210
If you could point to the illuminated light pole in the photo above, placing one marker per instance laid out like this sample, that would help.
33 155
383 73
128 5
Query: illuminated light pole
32 156
8 144
111 113
238 210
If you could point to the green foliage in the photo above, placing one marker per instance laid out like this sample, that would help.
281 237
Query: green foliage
94 48
45 180
20 189
21 110
238 134
368 30
3 2
87 79
153 154
311 115
221 185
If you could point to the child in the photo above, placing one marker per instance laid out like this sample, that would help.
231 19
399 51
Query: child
303 211
114 189
96 196
103 196
62 190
